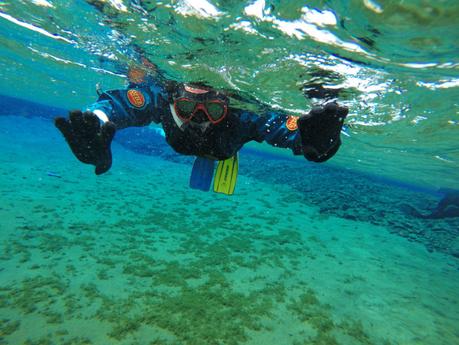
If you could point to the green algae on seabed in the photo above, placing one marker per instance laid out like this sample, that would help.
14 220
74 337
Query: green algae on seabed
8 327
47 340
309 310
195 300
207 314
133 268
204 312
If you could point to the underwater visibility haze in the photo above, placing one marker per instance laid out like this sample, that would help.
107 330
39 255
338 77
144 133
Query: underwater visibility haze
362 249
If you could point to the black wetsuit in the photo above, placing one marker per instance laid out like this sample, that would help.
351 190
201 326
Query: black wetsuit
139 105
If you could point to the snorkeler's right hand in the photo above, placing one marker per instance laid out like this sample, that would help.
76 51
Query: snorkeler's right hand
89 140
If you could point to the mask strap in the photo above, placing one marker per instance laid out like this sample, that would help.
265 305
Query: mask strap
177 120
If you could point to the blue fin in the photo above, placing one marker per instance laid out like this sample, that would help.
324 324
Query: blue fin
202 174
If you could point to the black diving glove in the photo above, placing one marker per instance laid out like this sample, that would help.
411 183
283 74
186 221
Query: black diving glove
89 141
320 131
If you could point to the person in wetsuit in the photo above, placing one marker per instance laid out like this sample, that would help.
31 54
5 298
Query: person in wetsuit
197 121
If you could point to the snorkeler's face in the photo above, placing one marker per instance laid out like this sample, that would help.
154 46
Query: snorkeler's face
199 106
188 109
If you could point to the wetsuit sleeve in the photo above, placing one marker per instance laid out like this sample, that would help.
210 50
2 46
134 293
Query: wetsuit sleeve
277 129
136 106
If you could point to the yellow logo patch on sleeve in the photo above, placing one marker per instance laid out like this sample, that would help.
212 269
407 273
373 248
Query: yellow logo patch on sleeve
136 98
291 123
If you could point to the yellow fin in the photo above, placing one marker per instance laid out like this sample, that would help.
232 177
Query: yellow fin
226 175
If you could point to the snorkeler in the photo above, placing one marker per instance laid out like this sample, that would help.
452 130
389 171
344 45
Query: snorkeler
198 121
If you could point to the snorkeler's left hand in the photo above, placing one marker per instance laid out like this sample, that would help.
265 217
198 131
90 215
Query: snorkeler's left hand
320 131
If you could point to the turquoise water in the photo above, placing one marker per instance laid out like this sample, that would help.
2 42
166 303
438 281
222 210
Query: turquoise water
302 253
396 63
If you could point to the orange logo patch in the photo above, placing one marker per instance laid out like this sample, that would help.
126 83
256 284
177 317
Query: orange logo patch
136 98
291 123
136 75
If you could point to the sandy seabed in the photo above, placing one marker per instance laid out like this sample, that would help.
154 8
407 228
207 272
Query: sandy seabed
136 257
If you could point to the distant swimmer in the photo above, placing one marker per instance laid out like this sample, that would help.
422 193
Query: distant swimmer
198 121
447 207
